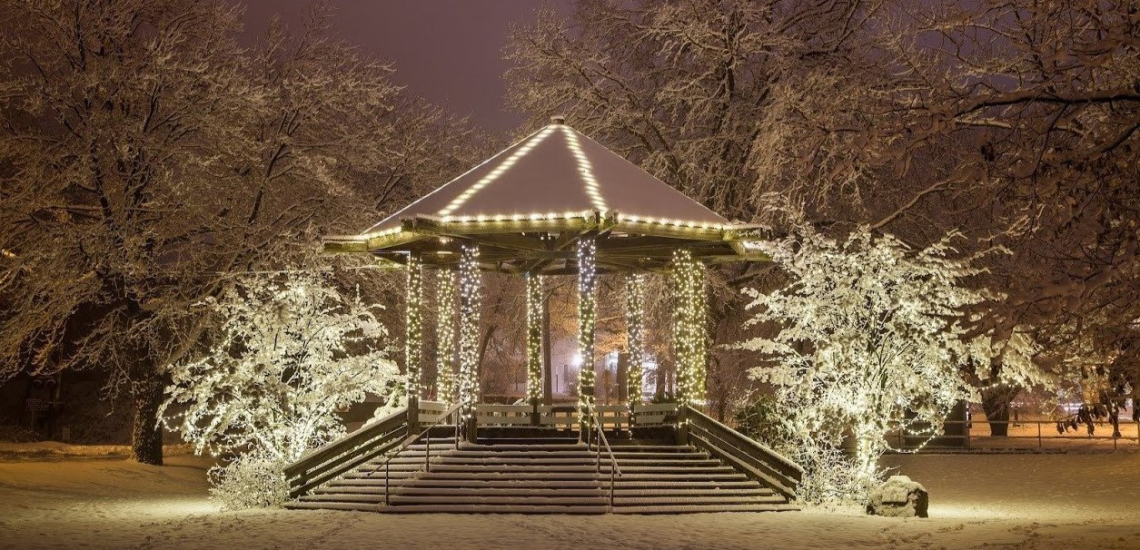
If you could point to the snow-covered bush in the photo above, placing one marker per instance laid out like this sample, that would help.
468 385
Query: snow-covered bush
760 418
291 352
250 481
866 339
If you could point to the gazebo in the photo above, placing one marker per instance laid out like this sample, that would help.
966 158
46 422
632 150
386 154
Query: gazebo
554 203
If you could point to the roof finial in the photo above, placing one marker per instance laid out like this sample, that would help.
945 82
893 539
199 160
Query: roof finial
558 119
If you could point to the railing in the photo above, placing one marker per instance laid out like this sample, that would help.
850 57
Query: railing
1021 434
614 469
748 456
448 413
566 416
329 461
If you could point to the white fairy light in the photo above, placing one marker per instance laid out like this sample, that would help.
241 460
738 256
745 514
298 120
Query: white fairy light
413 338
493 175
534 295
587 281
470 281
690 342
635 335
445 336
585 169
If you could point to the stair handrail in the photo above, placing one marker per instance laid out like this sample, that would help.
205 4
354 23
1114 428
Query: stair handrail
388 456
756 459
332 459
614 469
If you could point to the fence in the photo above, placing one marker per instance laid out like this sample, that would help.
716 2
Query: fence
566 416
1024 434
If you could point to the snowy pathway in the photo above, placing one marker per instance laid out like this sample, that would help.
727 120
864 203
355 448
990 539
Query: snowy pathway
991 501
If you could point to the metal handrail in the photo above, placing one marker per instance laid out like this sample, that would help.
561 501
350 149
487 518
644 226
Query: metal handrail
614 469
427 451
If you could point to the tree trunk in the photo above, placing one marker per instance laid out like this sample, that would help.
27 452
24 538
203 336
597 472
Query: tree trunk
146 434
996 404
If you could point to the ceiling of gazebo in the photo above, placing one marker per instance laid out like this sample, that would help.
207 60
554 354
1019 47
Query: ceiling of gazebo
529 204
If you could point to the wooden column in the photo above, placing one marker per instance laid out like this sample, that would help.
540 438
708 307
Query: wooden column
534 353
470 281
635 337
587 308
690 338
547 367
413 339
445 372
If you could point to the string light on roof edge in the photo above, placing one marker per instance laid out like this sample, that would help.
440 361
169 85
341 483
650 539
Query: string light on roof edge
635 335
494 174
413 326
445 336
690 341
587 307
534 292
470 280
586 170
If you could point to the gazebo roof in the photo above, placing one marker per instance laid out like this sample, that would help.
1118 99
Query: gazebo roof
527 204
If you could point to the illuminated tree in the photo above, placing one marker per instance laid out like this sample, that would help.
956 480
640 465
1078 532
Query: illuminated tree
147 157
292 352
869 338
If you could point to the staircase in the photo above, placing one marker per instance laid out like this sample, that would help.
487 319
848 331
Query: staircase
543 472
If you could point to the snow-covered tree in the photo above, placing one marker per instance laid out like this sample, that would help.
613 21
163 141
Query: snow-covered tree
292 352
147 156
870 337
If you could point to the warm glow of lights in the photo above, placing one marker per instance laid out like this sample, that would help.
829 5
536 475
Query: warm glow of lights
587 307
446 293
470 281
493 175
586 170
413 338
635 334
534 297
690 341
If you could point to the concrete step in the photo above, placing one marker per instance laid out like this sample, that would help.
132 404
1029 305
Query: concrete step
490 483
492 509
686 509
597 499
508 469
346 506
588 475
447 458
416 489
698 500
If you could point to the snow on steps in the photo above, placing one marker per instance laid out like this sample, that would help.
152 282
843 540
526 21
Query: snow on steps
544 476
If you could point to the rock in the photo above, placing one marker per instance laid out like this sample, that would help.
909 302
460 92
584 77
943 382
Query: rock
899 497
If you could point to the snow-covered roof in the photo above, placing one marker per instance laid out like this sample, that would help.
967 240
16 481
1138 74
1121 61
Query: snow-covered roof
526 207
554 172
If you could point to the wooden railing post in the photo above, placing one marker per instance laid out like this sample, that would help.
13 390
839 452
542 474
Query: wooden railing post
413 413
682 424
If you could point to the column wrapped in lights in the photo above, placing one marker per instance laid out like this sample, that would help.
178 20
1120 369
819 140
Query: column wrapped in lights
413 337
534 291
690 342
446 292
635 335
469 296
587 282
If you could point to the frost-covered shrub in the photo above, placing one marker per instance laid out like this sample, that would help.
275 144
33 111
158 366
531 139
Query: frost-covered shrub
250 481
291 352
762 420
869 338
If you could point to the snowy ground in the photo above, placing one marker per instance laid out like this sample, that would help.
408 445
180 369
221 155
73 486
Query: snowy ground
977 501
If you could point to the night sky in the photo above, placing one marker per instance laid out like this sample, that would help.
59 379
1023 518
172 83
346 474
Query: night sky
449 52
